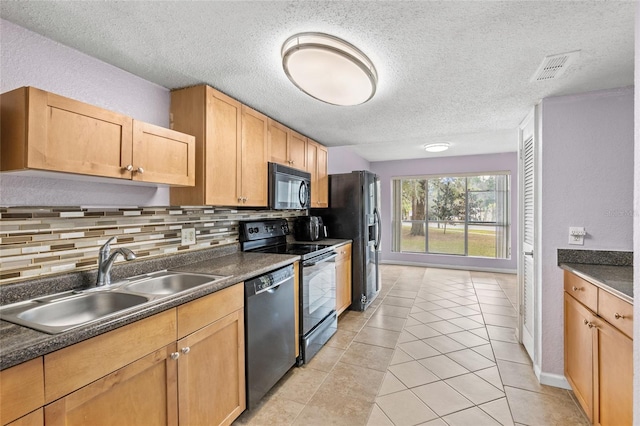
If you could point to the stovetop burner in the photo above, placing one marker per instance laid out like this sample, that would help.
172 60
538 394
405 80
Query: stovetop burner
269 236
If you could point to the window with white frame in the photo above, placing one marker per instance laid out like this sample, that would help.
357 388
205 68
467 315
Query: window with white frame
464 215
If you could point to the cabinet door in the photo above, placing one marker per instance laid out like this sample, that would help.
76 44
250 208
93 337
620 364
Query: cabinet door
211 375
312 168
21 390
222 149
343 278
35 418
614 377
162 155
323 177
317 166
254 158
579 352
70 136
278 143
143 392
297 151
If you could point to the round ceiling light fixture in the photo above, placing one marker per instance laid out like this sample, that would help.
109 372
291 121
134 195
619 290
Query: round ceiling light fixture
329 69
437 147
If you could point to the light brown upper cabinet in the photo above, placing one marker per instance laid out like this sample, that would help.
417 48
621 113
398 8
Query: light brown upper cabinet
254 156
317 166
45 131
231 148
287 147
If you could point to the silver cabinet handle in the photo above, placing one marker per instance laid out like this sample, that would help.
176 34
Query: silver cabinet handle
186 350
128 167
140 170
618 316
528 253
175 355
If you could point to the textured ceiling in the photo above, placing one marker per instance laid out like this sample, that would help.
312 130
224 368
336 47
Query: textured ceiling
448 71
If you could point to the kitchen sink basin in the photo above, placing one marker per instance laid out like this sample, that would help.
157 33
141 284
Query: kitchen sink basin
64 311
58 314
167 283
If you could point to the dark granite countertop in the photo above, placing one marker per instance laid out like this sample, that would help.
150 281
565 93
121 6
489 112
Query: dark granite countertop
19 344
617 280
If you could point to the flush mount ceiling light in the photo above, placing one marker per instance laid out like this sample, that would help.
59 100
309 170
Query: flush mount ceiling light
329 69
437 147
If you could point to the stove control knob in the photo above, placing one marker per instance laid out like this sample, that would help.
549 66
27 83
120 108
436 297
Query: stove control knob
251 230
256 230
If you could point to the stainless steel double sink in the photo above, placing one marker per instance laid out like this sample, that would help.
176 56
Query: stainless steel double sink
63 311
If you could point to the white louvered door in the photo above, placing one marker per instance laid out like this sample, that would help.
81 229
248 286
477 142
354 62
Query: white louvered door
527 270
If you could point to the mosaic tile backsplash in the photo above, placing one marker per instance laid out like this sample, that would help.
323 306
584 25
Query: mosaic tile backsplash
41 241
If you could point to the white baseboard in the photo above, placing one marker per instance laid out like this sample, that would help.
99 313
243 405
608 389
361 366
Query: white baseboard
437 265
550 379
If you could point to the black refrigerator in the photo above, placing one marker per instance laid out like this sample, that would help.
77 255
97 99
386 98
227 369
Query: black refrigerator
354 213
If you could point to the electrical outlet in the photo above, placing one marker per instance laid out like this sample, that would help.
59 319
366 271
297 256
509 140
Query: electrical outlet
188 236
576 235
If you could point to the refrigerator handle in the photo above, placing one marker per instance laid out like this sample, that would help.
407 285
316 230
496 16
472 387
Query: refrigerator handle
379 227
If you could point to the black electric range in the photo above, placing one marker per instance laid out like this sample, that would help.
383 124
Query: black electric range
317 300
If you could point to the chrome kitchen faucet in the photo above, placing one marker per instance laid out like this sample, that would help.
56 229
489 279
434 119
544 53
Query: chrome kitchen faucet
106 259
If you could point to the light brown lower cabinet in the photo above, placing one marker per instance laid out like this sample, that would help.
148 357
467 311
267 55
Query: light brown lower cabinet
182 366
578 352
598 362
211 387
143 392
343 278
614 377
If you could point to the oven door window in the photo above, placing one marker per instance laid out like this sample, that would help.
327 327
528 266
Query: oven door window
318 293
290 192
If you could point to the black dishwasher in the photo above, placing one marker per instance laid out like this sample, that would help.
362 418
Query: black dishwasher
269 331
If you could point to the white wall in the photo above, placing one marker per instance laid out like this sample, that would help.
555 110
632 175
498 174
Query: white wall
440 166
587 180
636 233
29 59
342 159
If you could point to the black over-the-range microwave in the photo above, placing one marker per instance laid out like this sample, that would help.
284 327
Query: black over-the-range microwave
289 188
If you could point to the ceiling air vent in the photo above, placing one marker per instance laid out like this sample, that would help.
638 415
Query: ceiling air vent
554 66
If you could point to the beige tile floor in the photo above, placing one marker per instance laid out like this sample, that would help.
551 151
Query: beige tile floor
437 347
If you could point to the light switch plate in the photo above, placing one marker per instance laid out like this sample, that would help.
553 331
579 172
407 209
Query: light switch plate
576 235
188 236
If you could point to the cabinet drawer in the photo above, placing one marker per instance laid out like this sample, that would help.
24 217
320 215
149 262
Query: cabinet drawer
582 290
21 390
194 315
616 312
78 365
